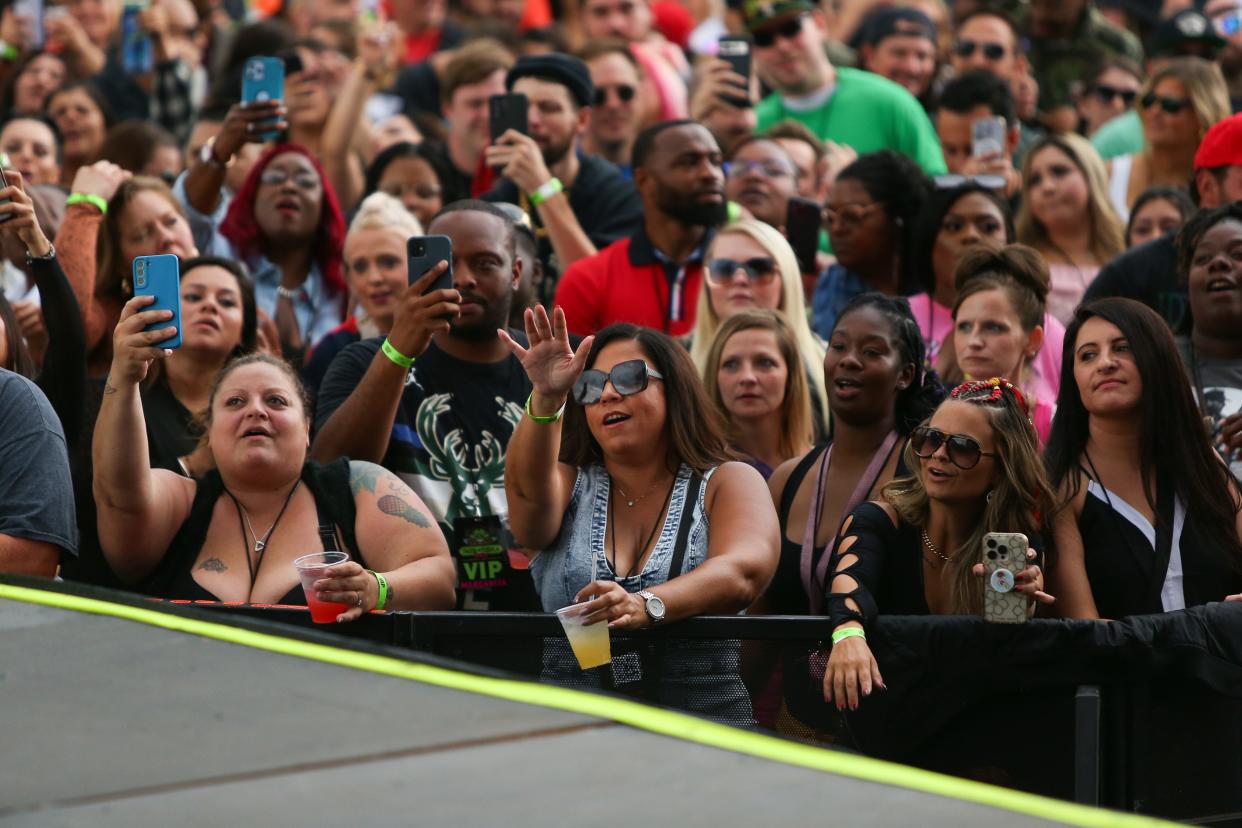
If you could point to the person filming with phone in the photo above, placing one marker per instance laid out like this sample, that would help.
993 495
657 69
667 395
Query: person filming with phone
917 550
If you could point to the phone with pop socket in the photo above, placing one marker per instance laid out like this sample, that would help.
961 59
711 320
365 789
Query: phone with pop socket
1004 556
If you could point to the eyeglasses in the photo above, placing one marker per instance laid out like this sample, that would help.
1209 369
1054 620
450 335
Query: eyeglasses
627 378
759 270
767 169
302 179
1169 105
851 214
625 93
1229 23
787 30
953 181
964 452
1106 94
991 51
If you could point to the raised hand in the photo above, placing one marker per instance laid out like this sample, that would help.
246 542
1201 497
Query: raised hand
99 179
421 313
549 361
133 347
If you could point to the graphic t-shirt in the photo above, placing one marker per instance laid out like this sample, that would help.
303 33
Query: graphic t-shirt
448 444
1217 384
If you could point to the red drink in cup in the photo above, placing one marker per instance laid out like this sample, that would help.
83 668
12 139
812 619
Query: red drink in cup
312 568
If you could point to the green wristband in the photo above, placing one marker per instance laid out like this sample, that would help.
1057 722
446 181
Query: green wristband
382 599
88 198
848 632
545 420
547 191
396 356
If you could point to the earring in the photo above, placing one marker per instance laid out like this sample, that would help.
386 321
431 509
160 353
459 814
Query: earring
989 495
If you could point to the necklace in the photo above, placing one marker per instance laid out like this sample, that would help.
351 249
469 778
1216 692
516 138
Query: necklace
260 544
928 542
612 532
630 501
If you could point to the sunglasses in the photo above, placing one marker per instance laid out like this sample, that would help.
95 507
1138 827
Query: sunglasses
1107 93
991 51
625 93
1169 105
759 270
787 30
952 181
964 452
627 378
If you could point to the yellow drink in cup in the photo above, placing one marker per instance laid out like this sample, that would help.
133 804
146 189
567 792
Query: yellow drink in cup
590 643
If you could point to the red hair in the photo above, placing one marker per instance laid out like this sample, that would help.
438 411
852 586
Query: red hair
327 249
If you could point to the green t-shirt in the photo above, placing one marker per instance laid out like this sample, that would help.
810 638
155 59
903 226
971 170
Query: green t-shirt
1122 135
869 113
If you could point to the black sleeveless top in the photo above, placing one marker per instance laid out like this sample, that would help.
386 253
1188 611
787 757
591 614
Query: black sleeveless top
334 503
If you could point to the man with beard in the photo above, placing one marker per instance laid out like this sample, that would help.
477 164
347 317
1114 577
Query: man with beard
653 277
577 203
442 423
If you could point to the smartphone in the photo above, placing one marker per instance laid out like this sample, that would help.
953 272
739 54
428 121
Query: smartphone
4 182
1004 556
424 253
506 112
987 136
263 79
802 223
736 49
160 276
137 54
32 10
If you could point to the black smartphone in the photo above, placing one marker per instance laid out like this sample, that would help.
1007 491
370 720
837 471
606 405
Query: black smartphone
424 253
4 182
736 49
802 224
506 112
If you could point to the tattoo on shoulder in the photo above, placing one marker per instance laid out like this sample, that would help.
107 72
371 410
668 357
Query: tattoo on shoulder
213 565
395 506
363 475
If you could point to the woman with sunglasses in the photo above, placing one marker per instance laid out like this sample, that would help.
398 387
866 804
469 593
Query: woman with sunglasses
751 265
1108 92
1177 105
643 515
976 469
1149 517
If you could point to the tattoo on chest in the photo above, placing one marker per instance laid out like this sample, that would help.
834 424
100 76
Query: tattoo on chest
213 565
395 506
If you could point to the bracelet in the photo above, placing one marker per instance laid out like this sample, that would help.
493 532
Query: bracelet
286 293
545 192
396 356
382 600
848 632
88 198
550 418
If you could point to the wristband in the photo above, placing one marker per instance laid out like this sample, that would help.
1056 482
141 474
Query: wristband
848 632
9 52
382 599
88 198
550 418
551 188
396 356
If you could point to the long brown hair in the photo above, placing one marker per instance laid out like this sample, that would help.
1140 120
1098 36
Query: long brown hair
695 434
113 273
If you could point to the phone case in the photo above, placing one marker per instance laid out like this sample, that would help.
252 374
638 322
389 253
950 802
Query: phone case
264 80
506 112
137 55
987 136
802 223
736 49
160 276
33 11
4 182
1004 556
424 253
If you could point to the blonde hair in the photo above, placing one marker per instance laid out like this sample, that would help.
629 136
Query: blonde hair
792 308
380 211
1205 86
797 432
1108 231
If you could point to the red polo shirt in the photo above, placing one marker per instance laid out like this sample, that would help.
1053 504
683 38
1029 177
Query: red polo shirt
631 281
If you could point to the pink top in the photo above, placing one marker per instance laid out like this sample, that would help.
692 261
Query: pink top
1043 382
1069 283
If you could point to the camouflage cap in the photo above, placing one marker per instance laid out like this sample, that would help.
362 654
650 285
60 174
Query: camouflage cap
757 13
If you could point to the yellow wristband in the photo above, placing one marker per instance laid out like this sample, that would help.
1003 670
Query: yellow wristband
396 356
848 632
381 582
88 198
544 419
545 192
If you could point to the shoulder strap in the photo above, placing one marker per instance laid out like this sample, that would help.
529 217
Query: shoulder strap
1166 506
334 505
683 528
795 480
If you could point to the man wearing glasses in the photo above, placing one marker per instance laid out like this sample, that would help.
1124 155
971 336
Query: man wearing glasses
617 114
846 106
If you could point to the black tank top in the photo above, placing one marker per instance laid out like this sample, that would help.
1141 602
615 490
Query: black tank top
334 504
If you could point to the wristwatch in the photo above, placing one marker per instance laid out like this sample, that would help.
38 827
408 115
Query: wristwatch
207 155
46 257
654 605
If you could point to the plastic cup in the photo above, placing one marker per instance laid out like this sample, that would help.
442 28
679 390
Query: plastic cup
590 643
311 568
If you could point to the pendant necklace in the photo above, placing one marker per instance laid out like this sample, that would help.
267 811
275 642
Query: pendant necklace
260 544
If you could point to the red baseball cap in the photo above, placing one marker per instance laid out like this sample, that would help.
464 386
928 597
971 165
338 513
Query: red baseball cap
1222 146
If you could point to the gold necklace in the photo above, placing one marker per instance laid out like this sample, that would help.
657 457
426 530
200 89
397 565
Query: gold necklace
630 501
927 540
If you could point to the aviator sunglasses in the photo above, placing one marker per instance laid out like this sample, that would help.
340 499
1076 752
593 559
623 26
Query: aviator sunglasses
628 378
759 270
964 452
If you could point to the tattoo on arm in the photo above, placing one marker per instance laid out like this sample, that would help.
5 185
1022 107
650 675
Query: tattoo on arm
213 565
364 476
109 388
395 506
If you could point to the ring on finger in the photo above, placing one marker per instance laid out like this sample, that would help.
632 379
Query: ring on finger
359 602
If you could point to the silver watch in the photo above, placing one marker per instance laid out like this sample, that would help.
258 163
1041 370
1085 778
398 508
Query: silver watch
654 605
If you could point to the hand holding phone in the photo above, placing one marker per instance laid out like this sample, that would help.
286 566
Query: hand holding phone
423 310
1004 558
987 137
802 223
506 112
736 51
263 81
160 277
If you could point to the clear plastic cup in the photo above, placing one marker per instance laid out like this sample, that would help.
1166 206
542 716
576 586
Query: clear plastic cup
311 568
590 643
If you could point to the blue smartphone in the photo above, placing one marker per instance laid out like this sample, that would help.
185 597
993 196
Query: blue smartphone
160 276
137 55
263 79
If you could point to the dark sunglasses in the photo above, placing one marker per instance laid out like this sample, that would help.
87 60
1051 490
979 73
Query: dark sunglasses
627 378
1169 105
759 270
1106 94
964 452
788 30
624 91
991 51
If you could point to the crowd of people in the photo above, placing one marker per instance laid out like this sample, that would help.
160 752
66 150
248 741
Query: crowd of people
791 334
